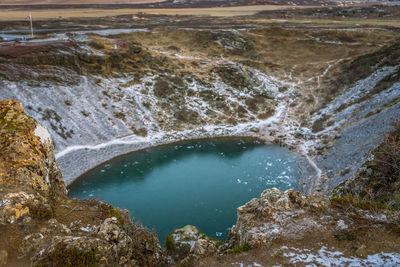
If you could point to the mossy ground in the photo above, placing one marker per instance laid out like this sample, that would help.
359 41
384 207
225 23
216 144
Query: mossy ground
71 257
242 248
114 212
11 125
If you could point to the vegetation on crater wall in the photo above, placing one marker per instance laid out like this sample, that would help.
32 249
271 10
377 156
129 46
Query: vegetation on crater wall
62 256
113 212
377 185
243 248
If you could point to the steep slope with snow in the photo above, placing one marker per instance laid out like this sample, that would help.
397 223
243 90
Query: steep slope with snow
103 96
357 119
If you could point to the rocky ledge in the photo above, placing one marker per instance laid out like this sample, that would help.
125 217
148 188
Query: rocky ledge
40 225
287 228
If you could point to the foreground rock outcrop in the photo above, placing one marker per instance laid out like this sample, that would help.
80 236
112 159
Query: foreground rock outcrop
188 244
40 225
277 215
287 228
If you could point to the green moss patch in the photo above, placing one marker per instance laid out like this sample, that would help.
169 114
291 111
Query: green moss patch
62 256
114 212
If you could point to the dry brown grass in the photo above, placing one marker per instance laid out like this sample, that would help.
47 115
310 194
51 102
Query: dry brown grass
10 14
72 2
363 22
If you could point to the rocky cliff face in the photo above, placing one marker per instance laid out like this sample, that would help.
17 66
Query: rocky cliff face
40 225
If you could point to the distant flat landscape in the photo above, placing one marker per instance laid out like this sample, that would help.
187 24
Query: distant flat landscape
11 14
75 2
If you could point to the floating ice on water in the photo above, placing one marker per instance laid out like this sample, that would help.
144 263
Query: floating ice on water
218 233
251 171
103 170
91 195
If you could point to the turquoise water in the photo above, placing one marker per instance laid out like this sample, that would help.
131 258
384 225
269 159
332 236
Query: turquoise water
198 182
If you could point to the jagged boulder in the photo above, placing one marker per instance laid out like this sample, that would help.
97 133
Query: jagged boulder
27 156
108 243
188 243
276 215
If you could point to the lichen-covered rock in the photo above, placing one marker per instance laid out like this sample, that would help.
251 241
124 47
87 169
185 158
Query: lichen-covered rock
27 160
107 243
275 215
289 216
287 220
188 243
22 206
40 225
